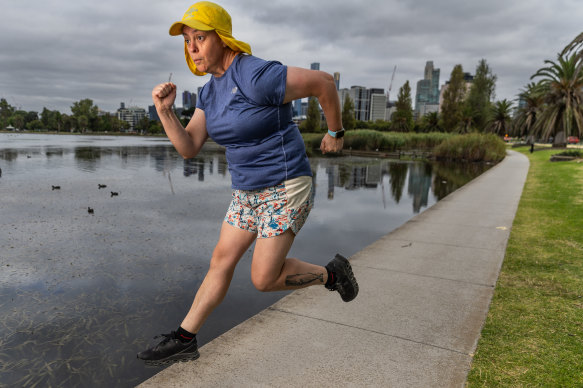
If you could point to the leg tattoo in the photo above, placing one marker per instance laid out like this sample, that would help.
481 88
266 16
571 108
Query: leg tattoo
301 279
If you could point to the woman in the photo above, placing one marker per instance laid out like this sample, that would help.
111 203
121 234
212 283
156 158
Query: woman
246 108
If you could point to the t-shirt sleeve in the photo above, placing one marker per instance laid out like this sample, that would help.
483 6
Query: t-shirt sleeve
263 81
199 100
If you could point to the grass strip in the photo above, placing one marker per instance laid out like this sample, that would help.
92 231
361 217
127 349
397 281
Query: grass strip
533 335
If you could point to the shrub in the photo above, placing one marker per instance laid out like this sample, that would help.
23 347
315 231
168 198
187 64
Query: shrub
445 146
573 153
472 147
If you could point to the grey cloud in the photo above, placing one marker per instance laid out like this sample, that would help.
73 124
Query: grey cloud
56 52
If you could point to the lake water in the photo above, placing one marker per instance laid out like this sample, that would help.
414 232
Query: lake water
81 293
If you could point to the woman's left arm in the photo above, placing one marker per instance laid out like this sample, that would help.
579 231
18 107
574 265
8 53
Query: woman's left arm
303 83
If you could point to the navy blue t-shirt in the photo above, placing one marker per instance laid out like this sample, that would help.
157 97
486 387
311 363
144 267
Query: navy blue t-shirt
245 113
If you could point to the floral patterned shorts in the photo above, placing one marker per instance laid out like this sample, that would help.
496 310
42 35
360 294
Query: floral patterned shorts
271 211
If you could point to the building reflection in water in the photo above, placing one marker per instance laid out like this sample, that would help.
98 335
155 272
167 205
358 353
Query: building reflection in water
390 177
414 178
418 178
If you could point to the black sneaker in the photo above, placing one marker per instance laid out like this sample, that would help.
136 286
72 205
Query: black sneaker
170 350
345 283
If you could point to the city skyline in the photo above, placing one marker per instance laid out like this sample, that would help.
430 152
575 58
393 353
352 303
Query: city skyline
124 50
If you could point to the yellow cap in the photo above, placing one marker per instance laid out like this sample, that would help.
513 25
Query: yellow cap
207 16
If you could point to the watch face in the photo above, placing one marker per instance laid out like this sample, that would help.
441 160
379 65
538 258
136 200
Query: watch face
340 134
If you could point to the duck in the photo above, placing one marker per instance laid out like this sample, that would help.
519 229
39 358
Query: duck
56 187
114 193
90 210
100 186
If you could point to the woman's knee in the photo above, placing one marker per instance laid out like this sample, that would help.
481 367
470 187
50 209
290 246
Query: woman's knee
263 282
223 261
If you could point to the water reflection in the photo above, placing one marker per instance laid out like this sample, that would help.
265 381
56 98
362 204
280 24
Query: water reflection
81 293
420 178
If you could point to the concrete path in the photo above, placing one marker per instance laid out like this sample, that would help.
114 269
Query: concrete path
425 290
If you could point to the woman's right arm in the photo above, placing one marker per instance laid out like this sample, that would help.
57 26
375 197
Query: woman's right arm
187 141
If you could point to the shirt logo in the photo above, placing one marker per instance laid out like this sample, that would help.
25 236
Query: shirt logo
234 90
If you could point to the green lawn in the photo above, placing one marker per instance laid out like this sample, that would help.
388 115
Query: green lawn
533 336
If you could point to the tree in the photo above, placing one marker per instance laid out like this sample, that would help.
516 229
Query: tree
397 179
17 119
34 125
82 123
348 120
45 117
403 116
86 109
143 125
58 120
453 96
105 123
67 122
574 46
526 115
51 119
21 118
430 122
6 111
466 123
562 88
478 101
500 121
155 127
30 116
313 117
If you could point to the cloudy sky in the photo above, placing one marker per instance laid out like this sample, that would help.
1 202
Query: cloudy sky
55 52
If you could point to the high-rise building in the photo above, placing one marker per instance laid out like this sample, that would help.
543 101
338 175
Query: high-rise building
186 102
153 113
376 91
378 106
427 93
368 103
131 115
297 107
337 80
361 99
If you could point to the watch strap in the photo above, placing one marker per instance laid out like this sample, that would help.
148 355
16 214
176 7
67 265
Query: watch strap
335 134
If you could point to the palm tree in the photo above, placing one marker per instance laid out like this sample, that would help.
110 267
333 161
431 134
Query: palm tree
562 83
467 119
532 97
500 121
574 45
430 122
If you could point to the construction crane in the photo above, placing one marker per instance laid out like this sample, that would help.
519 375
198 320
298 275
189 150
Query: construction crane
391 84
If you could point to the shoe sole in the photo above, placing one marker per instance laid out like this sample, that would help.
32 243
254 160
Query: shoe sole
350 275
173 359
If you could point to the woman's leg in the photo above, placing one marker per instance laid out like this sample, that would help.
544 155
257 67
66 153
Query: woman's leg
233 242
271 270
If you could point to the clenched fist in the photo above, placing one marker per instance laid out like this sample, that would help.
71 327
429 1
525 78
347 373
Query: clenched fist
164 96
331 144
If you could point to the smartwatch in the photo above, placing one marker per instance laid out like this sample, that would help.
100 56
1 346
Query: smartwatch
338 134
